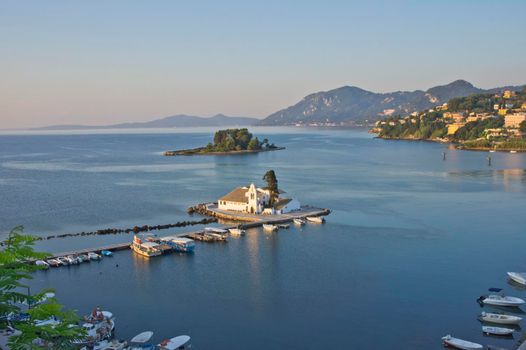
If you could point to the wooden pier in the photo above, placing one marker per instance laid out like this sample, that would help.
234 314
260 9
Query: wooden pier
250 221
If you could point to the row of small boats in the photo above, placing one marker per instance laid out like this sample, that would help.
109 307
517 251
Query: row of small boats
73 259
493 321
142 342
296 221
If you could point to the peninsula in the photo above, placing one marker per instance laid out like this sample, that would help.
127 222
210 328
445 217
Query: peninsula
229 141
495 121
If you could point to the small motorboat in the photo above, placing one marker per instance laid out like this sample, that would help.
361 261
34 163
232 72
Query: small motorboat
94 256
63 261
299 221
460 344
54 262
106 253
269 227
513 151
500 300
42 264
110 345
497 330
84 257
216 230
140 341
519 277
237 231
315 219
285 226
499 318
72 260
180 342
180 244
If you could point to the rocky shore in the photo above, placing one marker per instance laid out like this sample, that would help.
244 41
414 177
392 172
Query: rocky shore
202 151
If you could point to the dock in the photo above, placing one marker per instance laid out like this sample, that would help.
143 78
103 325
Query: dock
249 221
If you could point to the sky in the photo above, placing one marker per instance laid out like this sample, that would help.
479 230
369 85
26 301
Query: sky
108 61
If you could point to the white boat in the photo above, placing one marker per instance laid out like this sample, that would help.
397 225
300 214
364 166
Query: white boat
513 151
54 262
236 231
460 344
180 244
52 321
94 256
492 151
502 300
63 261
299 221
147 249
42 264
180 342
499 318
216 230
72 260
519 277
497 330
139 341
269 227
110 345
315 219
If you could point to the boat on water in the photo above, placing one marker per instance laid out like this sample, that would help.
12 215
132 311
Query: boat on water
215 230
237 231
519 277
106 253
180 244
181 342
315 219
99 326
299 221
460 344
500 299
141 341
72 259
513 151
497 330
94 256
114 344
52 321
44 265
285 226
54 262
84 258
63 261
269 227
147 249
499 318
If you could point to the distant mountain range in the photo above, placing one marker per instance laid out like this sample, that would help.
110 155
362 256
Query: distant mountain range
176 121
350 104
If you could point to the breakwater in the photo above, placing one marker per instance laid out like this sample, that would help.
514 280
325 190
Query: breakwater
135 229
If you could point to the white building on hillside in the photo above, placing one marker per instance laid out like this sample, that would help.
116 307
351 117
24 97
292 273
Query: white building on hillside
255 200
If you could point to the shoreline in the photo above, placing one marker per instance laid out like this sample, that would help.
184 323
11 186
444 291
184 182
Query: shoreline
199 152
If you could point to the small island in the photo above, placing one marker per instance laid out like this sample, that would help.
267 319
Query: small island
494 122
229 141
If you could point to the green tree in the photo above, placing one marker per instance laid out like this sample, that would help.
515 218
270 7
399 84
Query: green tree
254 144
15 269
522 126
272 185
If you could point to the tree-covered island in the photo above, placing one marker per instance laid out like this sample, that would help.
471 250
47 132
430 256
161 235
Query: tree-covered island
478 122
229 141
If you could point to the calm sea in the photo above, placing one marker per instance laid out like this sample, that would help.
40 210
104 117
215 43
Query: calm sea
412 240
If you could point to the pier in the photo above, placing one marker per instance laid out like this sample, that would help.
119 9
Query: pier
210 209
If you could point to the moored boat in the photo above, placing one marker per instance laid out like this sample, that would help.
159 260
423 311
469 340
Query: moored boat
497 330
460 344
63 261
519 277
285 226
141 341
180 244
54 262
44 265
499 318
269 227
315 219
501 300
180 342
106 253
94 256
215 230
236 231
299 221
147 249
84 258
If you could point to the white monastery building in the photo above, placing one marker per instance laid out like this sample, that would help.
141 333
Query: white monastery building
255 200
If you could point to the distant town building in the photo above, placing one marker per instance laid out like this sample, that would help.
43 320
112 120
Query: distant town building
496 107
508 94
503 111
514 120
452 128
457 117
256 200
495 133
523 106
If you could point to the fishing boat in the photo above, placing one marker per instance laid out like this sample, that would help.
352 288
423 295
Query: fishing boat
94 256
140 341
63 261
54 262
315 219
460 344
299 221
236 231
500 299
499 318
497 330
181 342
44 265
269 227
147 249
180 244
519 277
285 226
106 253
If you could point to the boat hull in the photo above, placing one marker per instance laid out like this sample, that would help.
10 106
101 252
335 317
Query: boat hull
518 277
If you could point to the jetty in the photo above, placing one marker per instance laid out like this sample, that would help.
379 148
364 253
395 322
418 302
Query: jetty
210 209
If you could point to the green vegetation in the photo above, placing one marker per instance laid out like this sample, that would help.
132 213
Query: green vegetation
230 140
15 268
513 144
475 130
428 126
272 185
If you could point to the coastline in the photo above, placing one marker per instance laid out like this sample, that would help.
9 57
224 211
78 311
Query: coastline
200 151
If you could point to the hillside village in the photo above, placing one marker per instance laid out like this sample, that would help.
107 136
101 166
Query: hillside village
480 121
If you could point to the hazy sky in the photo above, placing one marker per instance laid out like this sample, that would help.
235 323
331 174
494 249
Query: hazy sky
97 62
